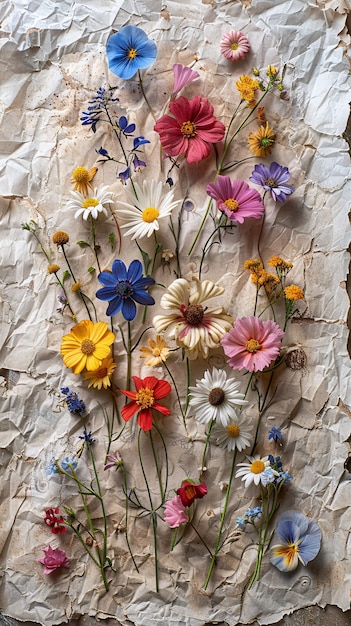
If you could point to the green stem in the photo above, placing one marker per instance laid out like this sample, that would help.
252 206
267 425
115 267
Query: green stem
74 317
74 279
177 393
129 359
158 472
152 510
127 509
144 96
206 447
94 241
216 550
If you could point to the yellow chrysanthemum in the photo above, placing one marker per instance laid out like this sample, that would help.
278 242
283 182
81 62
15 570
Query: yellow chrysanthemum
261 142
81 178
101 377
86 346
247 86
253 265
276 261
156 353
292 292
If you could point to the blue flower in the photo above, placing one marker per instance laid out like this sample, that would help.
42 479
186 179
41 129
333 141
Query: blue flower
284 476
275 434
139 141
137 163
124 175
300 541
273 179
130 50
68 463
126 128
103 152
74 404
241 521
122 288
268 476
98 105
51 469
87 436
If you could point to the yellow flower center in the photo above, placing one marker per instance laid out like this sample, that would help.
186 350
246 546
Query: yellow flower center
145 398
287 552
87 346
253 345
257 467
150 214
232 205
193 314
234 45
81 175
188 129
132 53
216 396
90 202
233 430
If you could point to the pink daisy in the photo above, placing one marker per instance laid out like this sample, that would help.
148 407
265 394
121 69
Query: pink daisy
174 513
252 343
191 131
234 45
236 199
182 76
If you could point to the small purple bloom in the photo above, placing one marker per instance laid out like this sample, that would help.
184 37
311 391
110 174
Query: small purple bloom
137 163
273 179
236 199
124 175
74 404
87 436
114 459
275 434
102 151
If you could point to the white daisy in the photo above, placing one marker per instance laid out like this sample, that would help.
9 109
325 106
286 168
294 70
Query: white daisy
215 397
235 435
92 204
141 215
253 471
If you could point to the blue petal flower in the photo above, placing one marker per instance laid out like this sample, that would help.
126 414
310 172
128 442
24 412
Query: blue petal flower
130 50
122 288
275 434
139 141
300 541
125 174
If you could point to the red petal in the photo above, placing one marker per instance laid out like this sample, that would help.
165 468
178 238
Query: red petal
162 389
129 410
129 394
145 419
138 382
161 408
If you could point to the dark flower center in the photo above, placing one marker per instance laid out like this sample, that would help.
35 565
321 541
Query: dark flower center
270 182
124 289
193 314
216 396
188 129
87 346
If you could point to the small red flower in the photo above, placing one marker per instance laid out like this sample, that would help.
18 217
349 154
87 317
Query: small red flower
189 492
148 391
55 521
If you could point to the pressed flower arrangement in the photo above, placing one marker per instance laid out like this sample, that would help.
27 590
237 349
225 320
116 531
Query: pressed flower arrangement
175 344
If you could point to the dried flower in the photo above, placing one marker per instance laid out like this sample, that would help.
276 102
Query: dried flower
182 76
252 343
130 50
53 268
189 492
261 142
145 399
174 513
300 541
55 521
294 293
101 377
60 238
54 559
156 353
236 199
86 345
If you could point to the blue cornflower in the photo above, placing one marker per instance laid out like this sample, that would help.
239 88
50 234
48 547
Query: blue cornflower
68 463
130 50
124 175
273 179
275 434
122 288
87 436
74 404
126 128
300 541
169 181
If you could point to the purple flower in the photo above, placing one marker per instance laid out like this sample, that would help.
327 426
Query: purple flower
137 163
236 199
182 76
273 179
139 141
124 175
114 459
87 436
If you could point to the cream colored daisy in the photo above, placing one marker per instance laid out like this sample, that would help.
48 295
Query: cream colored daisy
216 397
195 327
236 435
253 472
141 216
155 353
91 205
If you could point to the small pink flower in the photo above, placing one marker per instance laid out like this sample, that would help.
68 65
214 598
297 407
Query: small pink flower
236 199
252 343
234 45
175 512
191 131
53 559
182 76
114 459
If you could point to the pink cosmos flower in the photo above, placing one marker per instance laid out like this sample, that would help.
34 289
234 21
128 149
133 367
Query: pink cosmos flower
53 559
236 199
252 343
189 492
175 512
234 45
182 76
114 459
191 131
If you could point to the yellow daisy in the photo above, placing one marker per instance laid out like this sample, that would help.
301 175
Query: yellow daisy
156 353
101 377
81 178
86 346
261 142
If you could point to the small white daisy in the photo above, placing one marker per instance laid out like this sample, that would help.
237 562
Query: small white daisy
236 435
141 215
253 471
92 204
215 397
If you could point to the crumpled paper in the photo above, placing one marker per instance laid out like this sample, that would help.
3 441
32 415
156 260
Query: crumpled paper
52 62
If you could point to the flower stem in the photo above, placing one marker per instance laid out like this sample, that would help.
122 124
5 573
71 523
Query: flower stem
80 293
177 393
217 548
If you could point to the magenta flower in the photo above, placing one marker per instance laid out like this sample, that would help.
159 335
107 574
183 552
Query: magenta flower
182 76
191 131
54 559
234 45
236 199
175 512
252 343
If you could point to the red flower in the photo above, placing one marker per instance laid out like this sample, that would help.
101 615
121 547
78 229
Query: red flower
148 391
189 492
55 521
191 131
